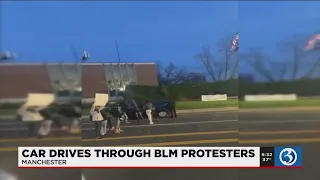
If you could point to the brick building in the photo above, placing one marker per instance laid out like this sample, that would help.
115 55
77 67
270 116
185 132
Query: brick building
17 80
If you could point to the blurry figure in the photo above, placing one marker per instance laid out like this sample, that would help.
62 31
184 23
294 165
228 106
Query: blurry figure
131 103
123 109
137 111
72 112
75 126
83 177
32 117
4 175
108 116
107 123
45 128
116 113
148 106
172 108
97 118
58 113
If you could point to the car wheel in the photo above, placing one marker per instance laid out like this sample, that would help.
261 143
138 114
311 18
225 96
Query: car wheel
162 114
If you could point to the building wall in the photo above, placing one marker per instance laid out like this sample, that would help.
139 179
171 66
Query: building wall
146 74
93 80
17 80
95 76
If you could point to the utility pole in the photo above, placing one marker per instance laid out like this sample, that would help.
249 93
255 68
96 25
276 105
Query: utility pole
119 67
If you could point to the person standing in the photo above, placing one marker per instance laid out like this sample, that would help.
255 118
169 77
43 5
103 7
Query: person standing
108 123
124 115
172 108
148 106
115 111
33 120
137 110
97 119
75 117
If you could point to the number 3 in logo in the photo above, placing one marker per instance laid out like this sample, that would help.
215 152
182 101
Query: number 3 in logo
288 156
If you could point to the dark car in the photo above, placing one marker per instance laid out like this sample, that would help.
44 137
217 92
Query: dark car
62 110
161 110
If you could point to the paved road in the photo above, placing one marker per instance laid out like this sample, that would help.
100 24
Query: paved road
215 129
256 129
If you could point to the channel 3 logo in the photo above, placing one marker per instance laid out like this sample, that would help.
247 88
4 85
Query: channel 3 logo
288 156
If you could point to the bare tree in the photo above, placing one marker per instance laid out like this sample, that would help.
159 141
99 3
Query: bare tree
294 47
258 60
171 74
294 62
206 58
315 65
304 63
219 67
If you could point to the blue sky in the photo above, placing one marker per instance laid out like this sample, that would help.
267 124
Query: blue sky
147 31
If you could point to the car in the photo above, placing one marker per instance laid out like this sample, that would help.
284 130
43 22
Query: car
67 111
161 110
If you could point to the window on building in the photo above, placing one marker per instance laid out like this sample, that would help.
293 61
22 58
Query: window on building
118 76
64 77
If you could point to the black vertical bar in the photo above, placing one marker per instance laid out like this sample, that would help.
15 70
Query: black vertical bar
266 156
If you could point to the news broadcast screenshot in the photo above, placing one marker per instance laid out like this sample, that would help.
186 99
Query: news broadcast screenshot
156 157
159 90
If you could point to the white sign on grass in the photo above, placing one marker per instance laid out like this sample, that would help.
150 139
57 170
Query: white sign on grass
271 97
217 97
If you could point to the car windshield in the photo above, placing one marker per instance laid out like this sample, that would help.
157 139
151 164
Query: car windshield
159 103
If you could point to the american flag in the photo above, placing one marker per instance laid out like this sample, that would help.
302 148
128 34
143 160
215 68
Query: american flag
313 43
235 43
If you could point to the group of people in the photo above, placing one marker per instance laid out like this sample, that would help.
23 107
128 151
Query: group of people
40 120
108 118
104 120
